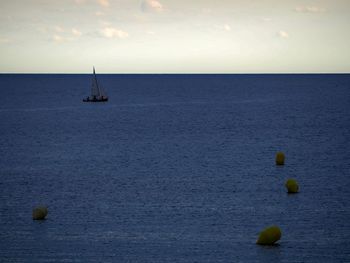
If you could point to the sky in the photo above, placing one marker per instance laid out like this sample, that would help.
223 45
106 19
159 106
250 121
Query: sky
175 36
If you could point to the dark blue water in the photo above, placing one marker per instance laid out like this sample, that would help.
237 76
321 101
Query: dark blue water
174 168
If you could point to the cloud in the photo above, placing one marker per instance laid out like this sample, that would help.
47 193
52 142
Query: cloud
282 34
105 23
151 6
99 13
59 29
76 32
111 32
42 29
66 36
309 9
4 40
104 3
58 38
206 11
227 27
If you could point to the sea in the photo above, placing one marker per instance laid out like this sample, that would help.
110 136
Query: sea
174 167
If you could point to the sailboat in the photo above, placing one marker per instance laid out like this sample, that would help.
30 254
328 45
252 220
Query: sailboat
97 93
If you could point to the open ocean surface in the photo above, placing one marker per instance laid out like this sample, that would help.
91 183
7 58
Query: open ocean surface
174 168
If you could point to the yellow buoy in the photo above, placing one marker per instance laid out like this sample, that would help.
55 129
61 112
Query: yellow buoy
39 213
269 236
292 186
280 158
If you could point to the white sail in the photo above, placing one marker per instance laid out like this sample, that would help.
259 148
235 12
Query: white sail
95 91
102 92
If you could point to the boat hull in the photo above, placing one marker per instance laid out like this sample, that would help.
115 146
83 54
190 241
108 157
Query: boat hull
95 100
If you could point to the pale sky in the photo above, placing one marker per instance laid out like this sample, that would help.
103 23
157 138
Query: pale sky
175 36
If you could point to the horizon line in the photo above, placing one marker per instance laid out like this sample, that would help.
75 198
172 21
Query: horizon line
80 73
176 73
